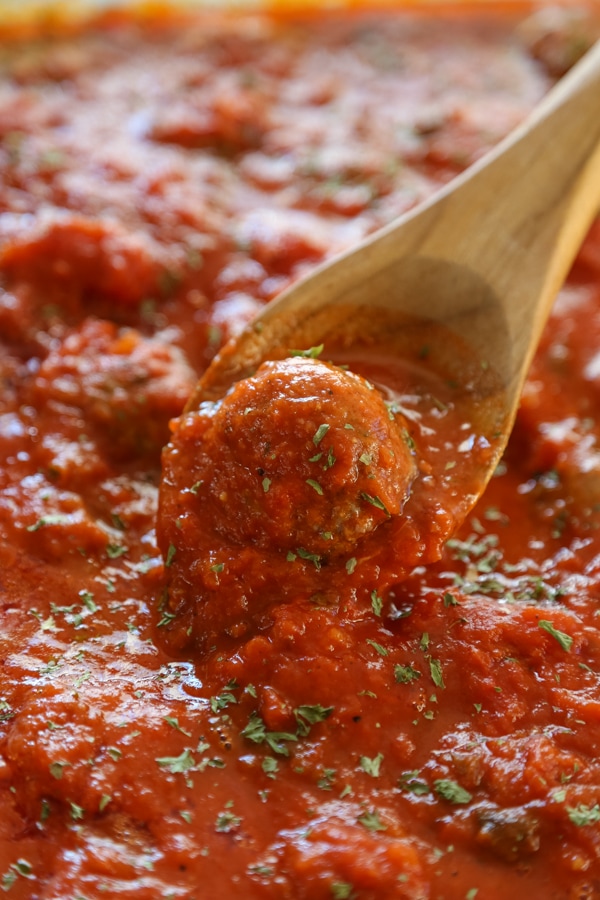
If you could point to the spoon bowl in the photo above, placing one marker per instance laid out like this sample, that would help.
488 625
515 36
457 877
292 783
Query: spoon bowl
484 258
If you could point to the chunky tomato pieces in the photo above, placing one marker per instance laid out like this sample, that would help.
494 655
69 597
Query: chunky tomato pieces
386 732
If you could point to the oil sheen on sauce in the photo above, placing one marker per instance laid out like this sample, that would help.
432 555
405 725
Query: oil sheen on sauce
435 736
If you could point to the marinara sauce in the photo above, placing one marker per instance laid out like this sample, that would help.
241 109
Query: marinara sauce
420 733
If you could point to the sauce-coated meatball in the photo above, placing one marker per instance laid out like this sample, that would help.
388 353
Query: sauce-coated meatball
302 455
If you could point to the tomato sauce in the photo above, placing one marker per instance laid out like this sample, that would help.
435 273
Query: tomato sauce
421 733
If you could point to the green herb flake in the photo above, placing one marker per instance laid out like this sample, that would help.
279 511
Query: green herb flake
87 598
314 558
45 811
222 701
105 799
118 522
565 640
174 764
313 714
77 812
24 868
376 603
217 568
408 440
8 879
266 871
48 520
85 676
57 768
325 782
20 868
435 668
351 565
452 792
330 461
170 555
378 648
582 815
372 766
375 501
227 822
311 353
341 890
410 782
320 434
266 484
256 732
306 716
315 486
405 674
371 821
114 551
167 618
270 766
174 723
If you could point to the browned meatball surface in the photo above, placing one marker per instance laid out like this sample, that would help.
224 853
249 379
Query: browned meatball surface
302 456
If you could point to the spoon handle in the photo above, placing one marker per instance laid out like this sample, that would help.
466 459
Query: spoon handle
519 216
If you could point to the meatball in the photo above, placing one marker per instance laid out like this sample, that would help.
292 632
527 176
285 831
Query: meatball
72 257
302 455
122 386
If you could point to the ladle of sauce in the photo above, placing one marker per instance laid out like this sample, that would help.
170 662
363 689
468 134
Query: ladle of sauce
286 473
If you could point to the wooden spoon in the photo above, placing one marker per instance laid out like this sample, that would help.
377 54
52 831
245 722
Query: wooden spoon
484 259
